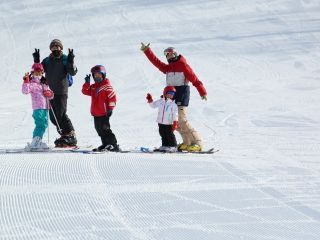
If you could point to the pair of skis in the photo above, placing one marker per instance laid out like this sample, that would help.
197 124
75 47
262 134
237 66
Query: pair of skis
85 150
147 150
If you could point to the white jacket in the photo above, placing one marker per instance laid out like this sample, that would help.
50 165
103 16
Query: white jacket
167 111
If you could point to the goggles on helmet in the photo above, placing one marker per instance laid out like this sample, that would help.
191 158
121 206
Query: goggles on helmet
170 50
170 93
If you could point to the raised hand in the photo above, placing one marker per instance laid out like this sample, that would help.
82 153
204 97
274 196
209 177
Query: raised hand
26 78
149 98
87 78
36 55
70 56
144 47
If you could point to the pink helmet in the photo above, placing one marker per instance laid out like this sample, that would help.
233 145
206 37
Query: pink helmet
37 67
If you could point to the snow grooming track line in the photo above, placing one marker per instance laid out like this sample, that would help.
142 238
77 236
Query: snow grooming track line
282 203
108 197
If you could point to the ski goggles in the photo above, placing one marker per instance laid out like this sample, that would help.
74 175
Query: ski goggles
170 93
168 51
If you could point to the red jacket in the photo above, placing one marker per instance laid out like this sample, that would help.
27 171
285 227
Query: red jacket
103 97
178 73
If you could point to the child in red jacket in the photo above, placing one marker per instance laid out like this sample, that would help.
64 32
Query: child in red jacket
103 101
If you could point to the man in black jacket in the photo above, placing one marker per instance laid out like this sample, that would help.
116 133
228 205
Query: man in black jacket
56 67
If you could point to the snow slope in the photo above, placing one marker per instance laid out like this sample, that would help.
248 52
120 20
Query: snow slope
259 63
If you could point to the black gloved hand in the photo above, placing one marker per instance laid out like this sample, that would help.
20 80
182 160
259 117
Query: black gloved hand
43 80
87 78
36 55
70 56
109 113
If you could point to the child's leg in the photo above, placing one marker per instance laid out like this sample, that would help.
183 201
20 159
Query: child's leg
102 126
170 137
41 121
162 132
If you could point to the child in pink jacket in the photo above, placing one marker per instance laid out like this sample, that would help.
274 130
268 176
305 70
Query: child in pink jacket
36 85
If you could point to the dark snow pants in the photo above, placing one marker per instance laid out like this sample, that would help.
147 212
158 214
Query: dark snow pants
59 107
167 136
102 126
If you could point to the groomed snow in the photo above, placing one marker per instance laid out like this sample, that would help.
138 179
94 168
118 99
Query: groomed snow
259 61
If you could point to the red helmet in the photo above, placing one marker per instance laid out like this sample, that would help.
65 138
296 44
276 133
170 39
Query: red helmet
37 67
169 89
99 69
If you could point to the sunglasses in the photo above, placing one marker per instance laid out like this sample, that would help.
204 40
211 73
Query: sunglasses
55 46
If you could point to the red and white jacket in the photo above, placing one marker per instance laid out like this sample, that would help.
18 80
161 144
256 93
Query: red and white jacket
178 73
103 97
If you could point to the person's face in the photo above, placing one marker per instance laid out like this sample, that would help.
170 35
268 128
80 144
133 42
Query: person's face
97 75
169 95
37 73
170 55
55 47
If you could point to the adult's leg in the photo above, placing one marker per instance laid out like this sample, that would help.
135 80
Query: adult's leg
58 114
188 133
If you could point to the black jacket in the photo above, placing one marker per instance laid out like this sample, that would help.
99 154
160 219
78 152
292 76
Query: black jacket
56 70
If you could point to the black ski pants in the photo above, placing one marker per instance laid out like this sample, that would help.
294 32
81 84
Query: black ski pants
167 136
102 126
59 107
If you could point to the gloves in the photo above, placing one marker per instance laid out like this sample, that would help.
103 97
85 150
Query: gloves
36 55
204 97
174 125
149 98
26 78
47 93
43 80
109 112
143 47
70 56
87 78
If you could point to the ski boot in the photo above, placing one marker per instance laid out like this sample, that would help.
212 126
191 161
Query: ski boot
66 141
36 145
182 147
107 148
194 148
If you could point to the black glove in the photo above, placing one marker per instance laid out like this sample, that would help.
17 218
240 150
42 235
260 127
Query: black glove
70 56
36 55
87 78
109 113
43 80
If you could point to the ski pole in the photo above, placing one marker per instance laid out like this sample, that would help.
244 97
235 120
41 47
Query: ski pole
48 120
55 118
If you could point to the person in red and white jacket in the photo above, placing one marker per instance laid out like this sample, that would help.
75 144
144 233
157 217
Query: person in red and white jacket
103 101
179 74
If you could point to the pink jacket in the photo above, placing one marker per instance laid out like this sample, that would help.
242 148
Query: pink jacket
39 101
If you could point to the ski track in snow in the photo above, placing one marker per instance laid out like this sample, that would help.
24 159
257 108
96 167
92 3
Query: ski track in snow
148 197
259 63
